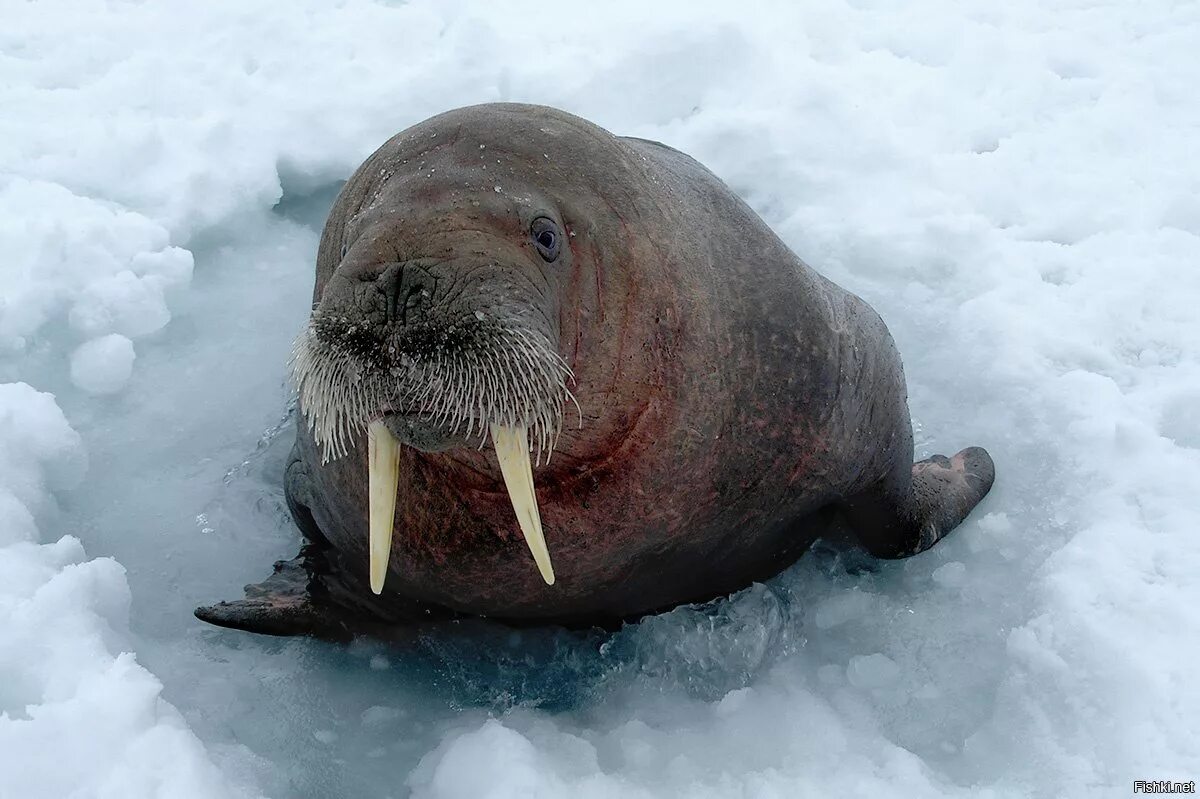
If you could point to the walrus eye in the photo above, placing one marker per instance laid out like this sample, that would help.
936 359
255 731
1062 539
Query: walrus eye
546 237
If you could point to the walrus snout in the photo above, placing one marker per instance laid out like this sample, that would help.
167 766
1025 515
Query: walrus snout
381 295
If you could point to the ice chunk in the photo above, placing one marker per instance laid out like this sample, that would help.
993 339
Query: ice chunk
378 715
841 608
105 268
491 761
950 575
872 671
103 365
122 302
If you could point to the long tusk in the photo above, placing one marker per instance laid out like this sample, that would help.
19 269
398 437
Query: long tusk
512 450
383 465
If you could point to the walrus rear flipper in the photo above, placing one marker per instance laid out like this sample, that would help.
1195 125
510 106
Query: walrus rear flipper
908 516
283 604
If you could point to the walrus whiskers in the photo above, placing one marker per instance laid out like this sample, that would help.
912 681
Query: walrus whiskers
509 377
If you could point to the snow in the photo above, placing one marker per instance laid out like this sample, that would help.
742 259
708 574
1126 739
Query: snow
1013 186
872 671
75 719
103 365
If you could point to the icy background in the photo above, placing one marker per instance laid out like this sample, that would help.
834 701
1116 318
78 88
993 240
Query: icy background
1015 188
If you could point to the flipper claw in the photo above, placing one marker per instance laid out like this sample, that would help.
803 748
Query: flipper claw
283 604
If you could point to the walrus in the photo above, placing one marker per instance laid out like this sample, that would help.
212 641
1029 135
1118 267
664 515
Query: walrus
554 375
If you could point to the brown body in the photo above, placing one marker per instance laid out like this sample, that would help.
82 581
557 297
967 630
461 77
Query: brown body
730 399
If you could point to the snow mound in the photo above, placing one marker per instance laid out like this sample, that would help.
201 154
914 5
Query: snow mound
75 718
82 262
103 365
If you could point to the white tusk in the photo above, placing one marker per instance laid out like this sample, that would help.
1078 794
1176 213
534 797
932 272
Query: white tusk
512 450
383 474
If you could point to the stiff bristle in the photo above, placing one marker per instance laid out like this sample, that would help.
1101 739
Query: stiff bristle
502 375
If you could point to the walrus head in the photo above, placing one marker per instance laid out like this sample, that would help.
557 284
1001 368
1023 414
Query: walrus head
437 328
437 351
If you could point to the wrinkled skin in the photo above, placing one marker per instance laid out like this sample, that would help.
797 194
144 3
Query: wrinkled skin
731 401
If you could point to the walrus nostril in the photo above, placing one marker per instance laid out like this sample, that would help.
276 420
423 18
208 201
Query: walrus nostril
414 297
407 287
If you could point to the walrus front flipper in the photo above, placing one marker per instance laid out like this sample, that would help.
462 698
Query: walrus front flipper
906 517
283 604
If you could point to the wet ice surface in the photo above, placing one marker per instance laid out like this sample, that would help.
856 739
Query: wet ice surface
1014 189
